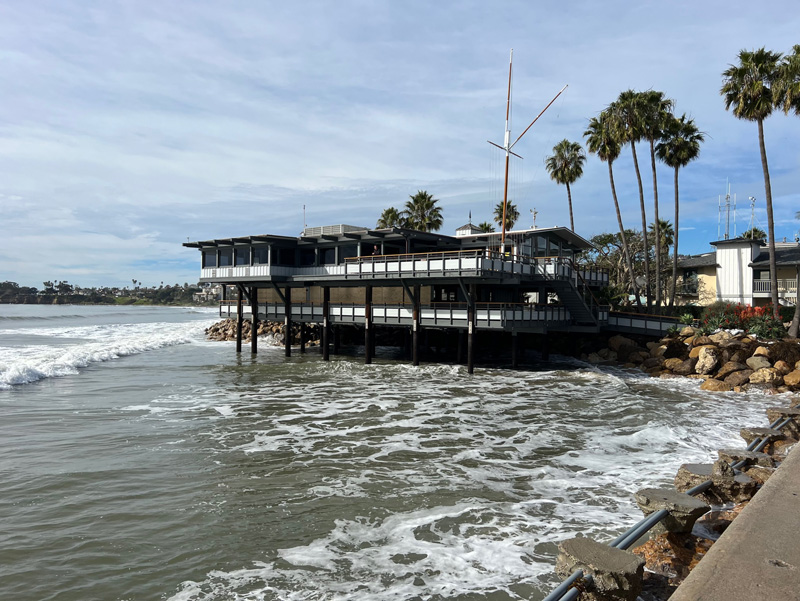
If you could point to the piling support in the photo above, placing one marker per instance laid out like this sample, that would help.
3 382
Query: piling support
254 323
326 326
460 347
337 340
287 322
514 350
471 330
545 346
415 327
303 334
239 320
367 325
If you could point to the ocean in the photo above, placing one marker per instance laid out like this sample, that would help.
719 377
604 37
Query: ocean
139 461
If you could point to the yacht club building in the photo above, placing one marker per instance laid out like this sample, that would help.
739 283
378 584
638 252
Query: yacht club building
344 275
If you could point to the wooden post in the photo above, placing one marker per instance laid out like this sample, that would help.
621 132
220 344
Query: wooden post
415 327
239 321
368 325
287 322
514 350
471 330
326 326
302 337
254 323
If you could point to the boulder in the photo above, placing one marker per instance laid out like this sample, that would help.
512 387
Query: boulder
683 509
729 368
675 348
738 378
653 362
757 362
686 367
701 341
617 342
767 375
716 386
687 331
707 360
726 487
783 367
792 378
673 364
721 336
761 351
695 352
616 574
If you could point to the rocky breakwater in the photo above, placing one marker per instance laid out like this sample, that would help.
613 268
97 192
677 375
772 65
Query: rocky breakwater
273 331
725 361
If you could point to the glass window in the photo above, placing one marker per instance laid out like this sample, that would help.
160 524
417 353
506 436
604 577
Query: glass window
210 258
308 257
328 256
243 256
286 257
225 257
260 255
351 250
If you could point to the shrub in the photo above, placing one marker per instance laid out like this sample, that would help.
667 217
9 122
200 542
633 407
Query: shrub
766 326
686 319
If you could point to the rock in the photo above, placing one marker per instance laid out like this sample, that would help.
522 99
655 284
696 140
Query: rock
695 352
594 358
672 556
791 429
687 331
738 357
652 345
725 487
707 360
758 473
721 336
738 378
673 364
792 378
758 362
603 353
783 367
683 509
658 351
617 342
617 574
761 351
653 362
701 341
767 375
714 523
716 386
732 456
675 348
729 368
686 367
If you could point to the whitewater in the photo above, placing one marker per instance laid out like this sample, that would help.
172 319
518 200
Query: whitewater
139 461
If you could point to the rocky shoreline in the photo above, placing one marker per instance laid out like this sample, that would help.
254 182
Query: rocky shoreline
273 331
724 361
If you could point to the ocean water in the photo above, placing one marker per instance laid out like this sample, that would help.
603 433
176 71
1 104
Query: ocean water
140 462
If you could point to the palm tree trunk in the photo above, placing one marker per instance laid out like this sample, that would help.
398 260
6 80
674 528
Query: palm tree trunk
624 239
658 225
569 199
644 226
675 249
773 268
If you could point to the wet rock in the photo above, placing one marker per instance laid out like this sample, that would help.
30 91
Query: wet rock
674 363
617 574
791 429
738 378
672 556
653 362
783 367
729 368
713 385
732 456
767 375
792 378
726 487
675 348
615 343
683 509
757 362
707 360
686 367
714 523
758 473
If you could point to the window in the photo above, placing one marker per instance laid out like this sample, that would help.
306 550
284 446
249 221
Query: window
286 257
243 256
260 255
308 257
210 258
225 257
328 256
351 250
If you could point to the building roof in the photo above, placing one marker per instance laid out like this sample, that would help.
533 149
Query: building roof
784 256
695 261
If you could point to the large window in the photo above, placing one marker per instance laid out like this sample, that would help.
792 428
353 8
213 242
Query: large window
225 257
243 256
260 255
210 257
328 256
308 257
286 257
345 252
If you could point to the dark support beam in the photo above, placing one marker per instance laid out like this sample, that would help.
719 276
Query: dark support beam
303 334
287 322
514 350
326 326
545 346
415 327
471 330
278 292
462 343
254 323
239 320
368 325
337 340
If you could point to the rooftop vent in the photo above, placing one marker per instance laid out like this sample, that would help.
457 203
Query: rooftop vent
331 230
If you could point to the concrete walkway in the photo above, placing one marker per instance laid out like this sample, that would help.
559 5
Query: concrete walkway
758 556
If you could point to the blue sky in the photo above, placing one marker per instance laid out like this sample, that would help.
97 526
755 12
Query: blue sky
128 127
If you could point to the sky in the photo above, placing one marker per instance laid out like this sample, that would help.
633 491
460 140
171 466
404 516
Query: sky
130 127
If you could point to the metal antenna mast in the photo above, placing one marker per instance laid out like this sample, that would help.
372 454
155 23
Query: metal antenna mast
508 145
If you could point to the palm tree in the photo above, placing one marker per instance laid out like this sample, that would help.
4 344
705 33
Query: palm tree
512 214
788 98
629 110
680 146
748 88
390 217
421 212
602 139
565 167
755 233
656 111
486 227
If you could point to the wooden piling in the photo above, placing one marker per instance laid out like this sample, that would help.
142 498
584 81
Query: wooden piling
287 322
326 326
368 325
254 322
239 320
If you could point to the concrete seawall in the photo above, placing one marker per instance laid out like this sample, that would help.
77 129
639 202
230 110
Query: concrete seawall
758 556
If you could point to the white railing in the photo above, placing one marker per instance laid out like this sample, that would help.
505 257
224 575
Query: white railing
784 286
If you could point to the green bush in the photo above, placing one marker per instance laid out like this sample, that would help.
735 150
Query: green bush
686 319
766 326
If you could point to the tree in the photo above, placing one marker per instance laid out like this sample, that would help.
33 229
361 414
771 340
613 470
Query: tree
788 88
512 214
755 233
421 212
390 217
629 110
565 167
748 89
656 110
486 227
680 146
602 140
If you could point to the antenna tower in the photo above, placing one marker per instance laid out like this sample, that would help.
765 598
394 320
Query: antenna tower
726 210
